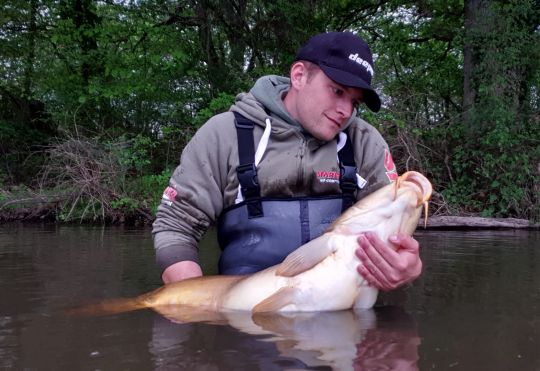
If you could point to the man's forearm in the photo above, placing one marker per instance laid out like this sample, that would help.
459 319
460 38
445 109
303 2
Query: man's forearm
181 271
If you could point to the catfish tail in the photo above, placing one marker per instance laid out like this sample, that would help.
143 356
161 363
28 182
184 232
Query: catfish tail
108 307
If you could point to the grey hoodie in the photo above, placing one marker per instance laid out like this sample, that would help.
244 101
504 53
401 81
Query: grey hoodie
294 164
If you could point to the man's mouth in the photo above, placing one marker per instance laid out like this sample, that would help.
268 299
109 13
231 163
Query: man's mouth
335 122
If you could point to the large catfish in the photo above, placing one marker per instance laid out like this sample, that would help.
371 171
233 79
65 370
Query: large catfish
319 276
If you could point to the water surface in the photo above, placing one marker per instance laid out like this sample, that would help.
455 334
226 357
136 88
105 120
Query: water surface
476 307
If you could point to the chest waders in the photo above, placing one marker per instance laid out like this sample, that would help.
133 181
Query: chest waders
260 231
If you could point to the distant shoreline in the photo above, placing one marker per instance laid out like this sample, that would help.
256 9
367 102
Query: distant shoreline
47 215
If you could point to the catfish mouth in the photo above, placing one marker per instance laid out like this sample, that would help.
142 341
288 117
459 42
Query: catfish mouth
422 188
368 212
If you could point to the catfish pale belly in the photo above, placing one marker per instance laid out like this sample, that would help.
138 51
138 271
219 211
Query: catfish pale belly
321 275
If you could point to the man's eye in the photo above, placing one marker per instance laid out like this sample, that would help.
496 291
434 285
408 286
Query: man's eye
337 92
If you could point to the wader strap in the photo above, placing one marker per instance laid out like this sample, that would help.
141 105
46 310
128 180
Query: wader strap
246 170
347 180
305 234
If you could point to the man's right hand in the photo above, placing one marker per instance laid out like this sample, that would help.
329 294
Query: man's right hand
181 271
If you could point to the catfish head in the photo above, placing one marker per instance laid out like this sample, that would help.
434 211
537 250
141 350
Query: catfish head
393 208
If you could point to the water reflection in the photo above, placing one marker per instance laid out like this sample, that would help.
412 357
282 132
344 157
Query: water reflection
475 307
385 338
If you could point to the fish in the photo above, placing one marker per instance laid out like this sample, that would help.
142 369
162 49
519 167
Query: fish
320 275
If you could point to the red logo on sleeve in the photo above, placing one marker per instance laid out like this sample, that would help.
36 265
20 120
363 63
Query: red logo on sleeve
168 195
390 167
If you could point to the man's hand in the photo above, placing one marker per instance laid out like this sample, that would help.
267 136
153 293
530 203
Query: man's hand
385 268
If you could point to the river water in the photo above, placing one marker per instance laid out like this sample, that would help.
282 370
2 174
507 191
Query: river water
476 307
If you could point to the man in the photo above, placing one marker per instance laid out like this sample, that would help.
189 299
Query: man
280 166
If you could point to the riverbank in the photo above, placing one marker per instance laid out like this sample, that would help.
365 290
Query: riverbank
48 213
34 207
52 212
475 222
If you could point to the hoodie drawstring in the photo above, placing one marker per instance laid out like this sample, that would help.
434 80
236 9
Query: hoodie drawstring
361 182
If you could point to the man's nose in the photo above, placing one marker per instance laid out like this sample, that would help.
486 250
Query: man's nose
344 107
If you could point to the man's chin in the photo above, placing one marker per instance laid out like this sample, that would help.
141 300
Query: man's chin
327 135
331 135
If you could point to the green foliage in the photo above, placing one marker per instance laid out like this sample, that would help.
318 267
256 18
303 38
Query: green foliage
141 77
217 105
85 211
147 190
126 204
135 154
489 170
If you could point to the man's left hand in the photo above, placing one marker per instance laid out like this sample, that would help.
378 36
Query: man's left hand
385 268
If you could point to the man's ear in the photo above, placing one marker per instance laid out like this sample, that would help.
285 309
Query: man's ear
299 74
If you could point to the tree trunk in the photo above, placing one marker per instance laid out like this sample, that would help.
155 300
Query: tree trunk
216 72
473 10
31 56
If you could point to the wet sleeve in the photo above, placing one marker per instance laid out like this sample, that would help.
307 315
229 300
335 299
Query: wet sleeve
193 200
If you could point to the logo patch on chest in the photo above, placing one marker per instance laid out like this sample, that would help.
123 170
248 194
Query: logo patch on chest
328 176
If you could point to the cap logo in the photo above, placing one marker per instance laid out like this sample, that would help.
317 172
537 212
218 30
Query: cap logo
362 62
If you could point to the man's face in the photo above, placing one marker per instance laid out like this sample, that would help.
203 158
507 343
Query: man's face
323 106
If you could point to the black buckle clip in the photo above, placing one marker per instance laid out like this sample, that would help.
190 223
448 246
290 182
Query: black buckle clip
348 179
247 175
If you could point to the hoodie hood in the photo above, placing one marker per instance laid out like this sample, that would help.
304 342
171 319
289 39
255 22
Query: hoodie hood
270 91
265 99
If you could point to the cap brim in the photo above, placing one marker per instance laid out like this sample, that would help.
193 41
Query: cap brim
371 98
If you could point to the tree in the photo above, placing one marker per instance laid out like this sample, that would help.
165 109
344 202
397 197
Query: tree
460 84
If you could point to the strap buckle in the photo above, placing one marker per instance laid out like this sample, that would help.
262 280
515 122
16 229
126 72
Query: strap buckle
347 179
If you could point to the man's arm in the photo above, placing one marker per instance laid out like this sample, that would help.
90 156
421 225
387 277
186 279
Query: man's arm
192 201
386 268
181 271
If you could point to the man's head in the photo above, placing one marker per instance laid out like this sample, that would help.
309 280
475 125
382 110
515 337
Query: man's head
328 81
346 59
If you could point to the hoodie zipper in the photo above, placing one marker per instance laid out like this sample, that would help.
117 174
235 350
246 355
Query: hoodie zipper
301 170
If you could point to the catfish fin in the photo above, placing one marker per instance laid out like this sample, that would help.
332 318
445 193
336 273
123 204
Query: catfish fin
276 323
190 314
276 301
306 256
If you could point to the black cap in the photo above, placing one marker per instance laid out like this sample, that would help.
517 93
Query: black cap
346 59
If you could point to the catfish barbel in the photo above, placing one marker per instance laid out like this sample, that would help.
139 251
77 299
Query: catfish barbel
320 275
